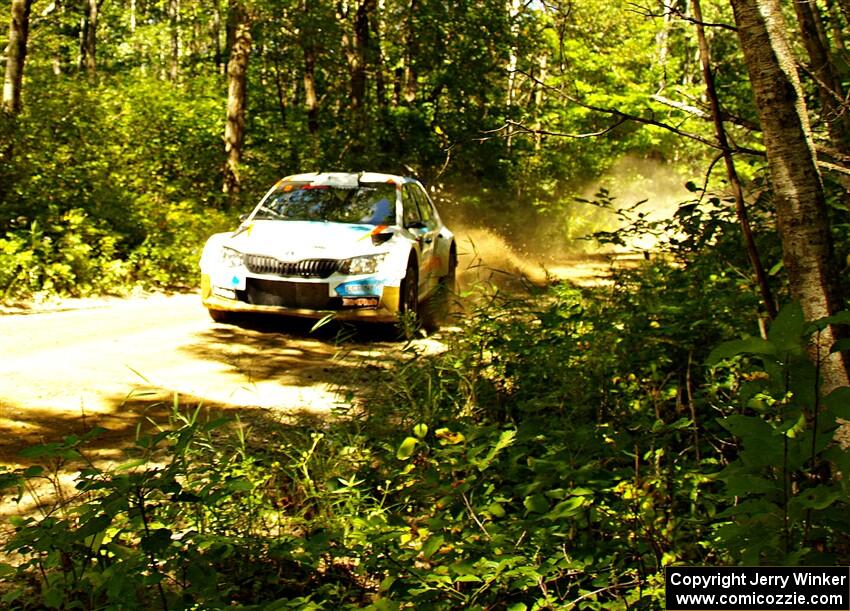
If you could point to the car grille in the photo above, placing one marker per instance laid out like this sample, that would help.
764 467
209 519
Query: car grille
307 268
308 295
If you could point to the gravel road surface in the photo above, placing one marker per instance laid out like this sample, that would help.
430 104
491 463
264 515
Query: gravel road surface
116 363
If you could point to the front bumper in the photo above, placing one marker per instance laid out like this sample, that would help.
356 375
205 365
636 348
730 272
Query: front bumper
299 299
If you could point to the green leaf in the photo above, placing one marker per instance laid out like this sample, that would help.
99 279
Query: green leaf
506 438
52 598
567 509
93 526
434 543
838 402
157 541
737 347
496 510
12 595
420 430
740 483
841 345
536 503
239 484
841 318
786 332
819 497
405 450
747 428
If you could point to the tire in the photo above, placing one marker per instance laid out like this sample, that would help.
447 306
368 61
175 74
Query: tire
220 315
435 309
408 300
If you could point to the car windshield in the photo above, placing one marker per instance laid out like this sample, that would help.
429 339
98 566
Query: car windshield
368 203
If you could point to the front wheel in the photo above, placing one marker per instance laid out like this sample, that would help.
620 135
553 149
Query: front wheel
435 309
408 301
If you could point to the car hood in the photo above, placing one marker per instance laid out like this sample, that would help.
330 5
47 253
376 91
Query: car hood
296 240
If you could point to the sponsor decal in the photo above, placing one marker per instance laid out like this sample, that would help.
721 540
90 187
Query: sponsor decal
360 288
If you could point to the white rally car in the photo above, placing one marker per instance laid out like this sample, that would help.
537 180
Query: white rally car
361 246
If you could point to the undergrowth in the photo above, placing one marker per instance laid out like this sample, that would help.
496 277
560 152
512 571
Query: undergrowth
563 450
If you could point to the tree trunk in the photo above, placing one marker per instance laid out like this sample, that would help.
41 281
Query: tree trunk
411 48
218 57
662 45
358 57
90 41
830 91
174 31
378 57
237 72
311 100
308 48
797 189
731 172
16 55
281 90
514 8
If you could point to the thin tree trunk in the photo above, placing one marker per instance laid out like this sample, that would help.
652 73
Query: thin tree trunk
542 66
218 57
830 91
514 7
358 57
398 86
731 172
132 16
281 91
378 57
311 100
411 49
237 70
662 44
16 55
797 189
91 38
174 31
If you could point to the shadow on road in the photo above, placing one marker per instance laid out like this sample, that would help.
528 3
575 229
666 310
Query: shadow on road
289 352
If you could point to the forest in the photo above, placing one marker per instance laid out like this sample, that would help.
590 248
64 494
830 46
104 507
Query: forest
571 441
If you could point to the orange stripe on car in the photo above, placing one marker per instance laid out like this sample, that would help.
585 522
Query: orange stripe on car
375 231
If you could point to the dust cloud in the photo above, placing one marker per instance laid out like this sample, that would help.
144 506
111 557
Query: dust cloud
547 247
632 180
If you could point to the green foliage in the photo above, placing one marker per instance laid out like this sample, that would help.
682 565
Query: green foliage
563 450
108 191
790 508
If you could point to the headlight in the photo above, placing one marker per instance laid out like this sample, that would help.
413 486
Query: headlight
230 257
361 265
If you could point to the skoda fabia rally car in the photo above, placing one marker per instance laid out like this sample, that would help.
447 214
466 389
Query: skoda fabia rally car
363 246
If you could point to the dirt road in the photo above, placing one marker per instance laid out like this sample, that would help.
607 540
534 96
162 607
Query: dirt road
115 363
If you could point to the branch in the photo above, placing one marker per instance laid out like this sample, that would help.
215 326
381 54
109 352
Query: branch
843 101
623 115
670 10
704 114
833 167
545 132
